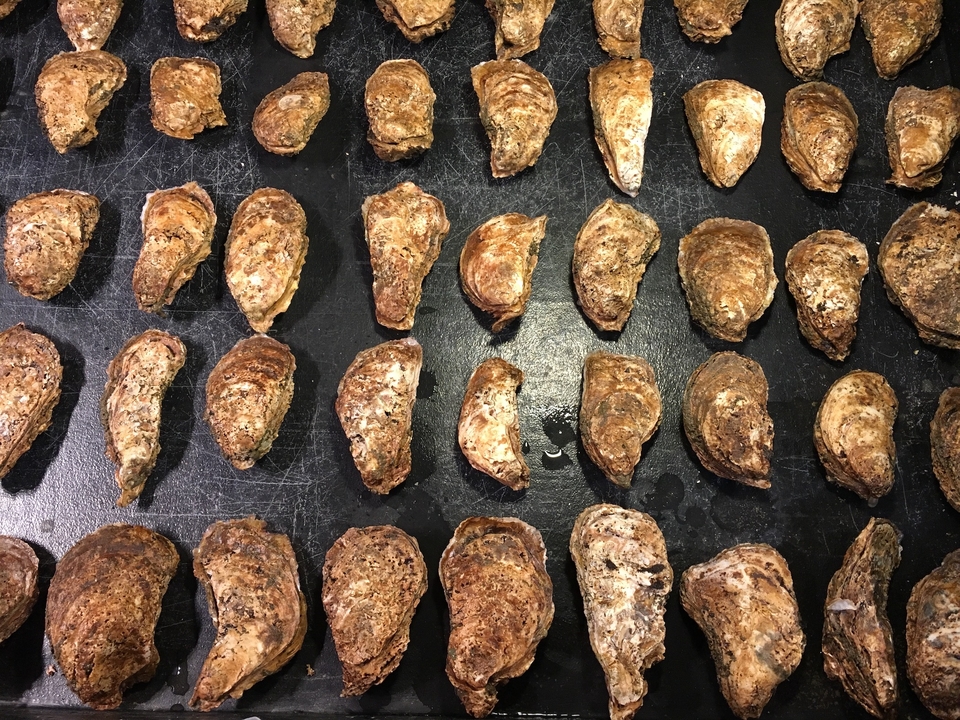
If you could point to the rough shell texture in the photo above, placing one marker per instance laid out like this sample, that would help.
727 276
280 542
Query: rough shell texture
88 23
248 394
266 249
610 256
620 410
518 25
854 433
185 96
899 31
206 20
19 568
818 134
102 608
726 269
137 380
726 421
625 580
285 119
418 19
933 639
500 597
517 109
497 262
857 637
375 405
30 375
824 272
489 426
921 128
918 260
295 23
373 579
725 119
404 228
260 614
618 26
178 225
7 7
399 102
945 445
743 600
708 21
47 234
622 105
810 32
72 90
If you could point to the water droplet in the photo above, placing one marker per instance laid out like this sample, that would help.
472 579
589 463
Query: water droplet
558 426
668 495
695 516
555 460
178 681
525 447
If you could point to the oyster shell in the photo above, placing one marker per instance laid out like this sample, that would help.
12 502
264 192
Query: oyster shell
708 21
185 96
899 31
295 23
518 25
399 102
618 26
285 119
810 32
206 20
418 19
88 23
945 445
921 127
19 568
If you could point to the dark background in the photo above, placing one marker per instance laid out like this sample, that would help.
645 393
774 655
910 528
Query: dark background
307 486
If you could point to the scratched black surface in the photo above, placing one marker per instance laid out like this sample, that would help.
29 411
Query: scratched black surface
307 486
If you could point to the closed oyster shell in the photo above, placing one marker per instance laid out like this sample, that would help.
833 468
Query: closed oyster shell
708 21
373 579
137 380
286 118
7 7
725 119
620 410
102 608
610 256
418 19
622 105
30 376
399 102
921 128
899 31
945 445
517 109
497 262
918 260
726 269
47 234
375 405
618 26
185 96
933 639
206 20
72 90
810 32
500 597
818 134
88 23
857 638
625 580
178 225
248 394
489 427
518 25
252 585
824 272
854 433
295 23
726 421
19 568
404 228
743 600
266 249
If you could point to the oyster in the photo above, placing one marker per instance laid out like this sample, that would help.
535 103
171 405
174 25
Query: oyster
497 262
824 272
500 598
375 405
899 31
185 96
854 433
945 445
373 579
622 105
206 20
418 19
489 426
619 412
399 102
518 25
19 568
618 26
726 421
295 23
810 32
47 234
286 118
708 21
7 7
725 119
88 23
921 127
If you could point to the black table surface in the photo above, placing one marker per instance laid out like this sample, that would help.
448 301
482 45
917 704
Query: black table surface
307 486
